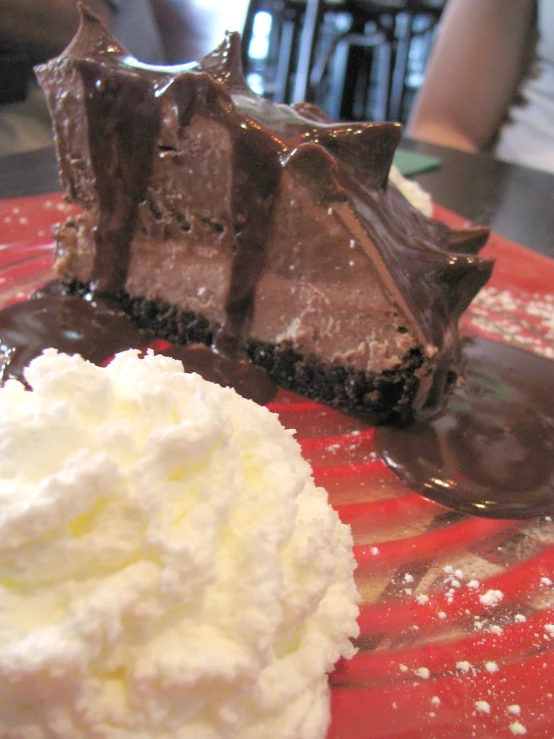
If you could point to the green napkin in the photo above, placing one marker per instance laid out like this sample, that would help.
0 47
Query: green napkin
411 162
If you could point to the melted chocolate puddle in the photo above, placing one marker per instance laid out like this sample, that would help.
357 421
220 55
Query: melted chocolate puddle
97 328
491 451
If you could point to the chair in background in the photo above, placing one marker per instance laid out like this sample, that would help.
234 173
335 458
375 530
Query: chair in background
275 36
357 59
380 81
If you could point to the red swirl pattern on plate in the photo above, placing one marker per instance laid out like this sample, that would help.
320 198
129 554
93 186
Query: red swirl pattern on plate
457 620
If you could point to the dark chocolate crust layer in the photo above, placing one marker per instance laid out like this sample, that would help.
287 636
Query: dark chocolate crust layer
379 398
382 397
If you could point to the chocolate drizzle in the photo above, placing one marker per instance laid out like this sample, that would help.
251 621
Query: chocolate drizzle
121 157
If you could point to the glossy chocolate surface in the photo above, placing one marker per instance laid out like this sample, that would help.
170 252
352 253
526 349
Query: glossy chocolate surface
491 450
96 329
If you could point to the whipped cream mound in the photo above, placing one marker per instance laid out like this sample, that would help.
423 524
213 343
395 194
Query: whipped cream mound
168 568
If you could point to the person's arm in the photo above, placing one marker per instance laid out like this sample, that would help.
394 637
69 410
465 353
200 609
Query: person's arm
472 73
43 28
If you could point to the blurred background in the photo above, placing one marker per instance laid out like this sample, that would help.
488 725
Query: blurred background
357 59
366 59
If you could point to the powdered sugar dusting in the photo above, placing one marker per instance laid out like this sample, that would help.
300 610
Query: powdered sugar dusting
491 597
518 729
513 315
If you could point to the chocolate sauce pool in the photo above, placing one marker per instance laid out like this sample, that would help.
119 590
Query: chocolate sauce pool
490 452
247 379
97 328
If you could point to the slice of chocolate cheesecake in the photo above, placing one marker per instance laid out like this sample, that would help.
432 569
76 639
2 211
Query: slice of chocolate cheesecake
264 229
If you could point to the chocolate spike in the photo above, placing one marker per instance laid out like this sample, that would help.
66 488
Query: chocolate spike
464 276
468 240
311 111
366 149
224 63
313 166
92 38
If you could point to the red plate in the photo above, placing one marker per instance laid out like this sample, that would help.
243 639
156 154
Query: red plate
457 622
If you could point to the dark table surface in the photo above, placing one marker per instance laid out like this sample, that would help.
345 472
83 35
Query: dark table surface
516 202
